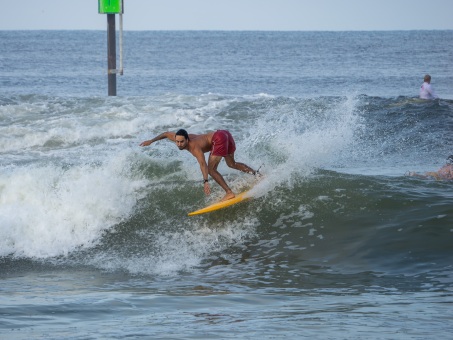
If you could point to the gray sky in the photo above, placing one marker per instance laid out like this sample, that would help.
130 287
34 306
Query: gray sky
297 15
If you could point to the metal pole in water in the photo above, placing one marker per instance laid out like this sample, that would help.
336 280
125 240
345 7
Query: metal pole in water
111 54
121 44
112 7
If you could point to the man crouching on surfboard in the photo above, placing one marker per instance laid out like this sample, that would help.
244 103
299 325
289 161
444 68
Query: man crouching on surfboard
220 143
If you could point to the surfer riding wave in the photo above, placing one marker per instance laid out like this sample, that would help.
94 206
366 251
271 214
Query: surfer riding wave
220 144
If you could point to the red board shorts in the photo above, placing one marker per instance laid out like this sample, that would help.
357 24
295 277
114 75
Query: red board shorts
222 143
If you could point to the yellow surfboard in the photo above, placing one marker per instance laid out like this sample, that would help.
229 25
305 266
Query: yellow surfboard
220 205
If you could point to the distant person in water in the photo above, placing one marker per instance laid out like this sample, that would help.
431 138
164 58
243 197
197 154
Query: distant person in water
220 144
444 173
426 90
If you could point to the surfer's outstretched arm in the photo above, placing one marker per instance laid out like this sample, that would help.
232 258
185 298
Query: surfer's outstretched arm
163 135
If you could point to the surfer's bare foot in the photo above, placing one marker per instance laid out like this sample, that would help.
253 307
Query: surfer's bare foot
227 197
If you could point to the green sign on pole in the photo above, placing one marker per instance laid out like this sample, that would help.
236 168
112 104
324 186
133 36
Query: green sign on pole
110 6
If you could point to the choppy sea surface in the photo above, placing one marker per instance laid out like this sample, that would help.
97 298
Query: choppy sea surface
336 243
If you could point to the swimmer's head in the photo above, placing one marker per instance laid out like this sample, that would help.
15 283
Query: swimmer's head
427 78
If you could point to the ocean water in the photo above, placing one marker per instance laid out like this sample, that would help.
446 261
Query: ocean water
337 243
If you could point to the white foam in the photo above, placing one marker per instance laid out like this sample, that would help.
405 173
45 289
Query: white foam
182 248
49 211
295 142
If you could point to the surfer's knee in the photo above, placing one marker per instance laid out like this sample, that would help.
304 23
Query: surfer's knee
233 164
229 160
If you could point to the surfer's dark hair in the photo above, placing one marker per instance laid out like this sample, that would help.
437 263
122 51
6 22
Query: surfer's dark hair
182 132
